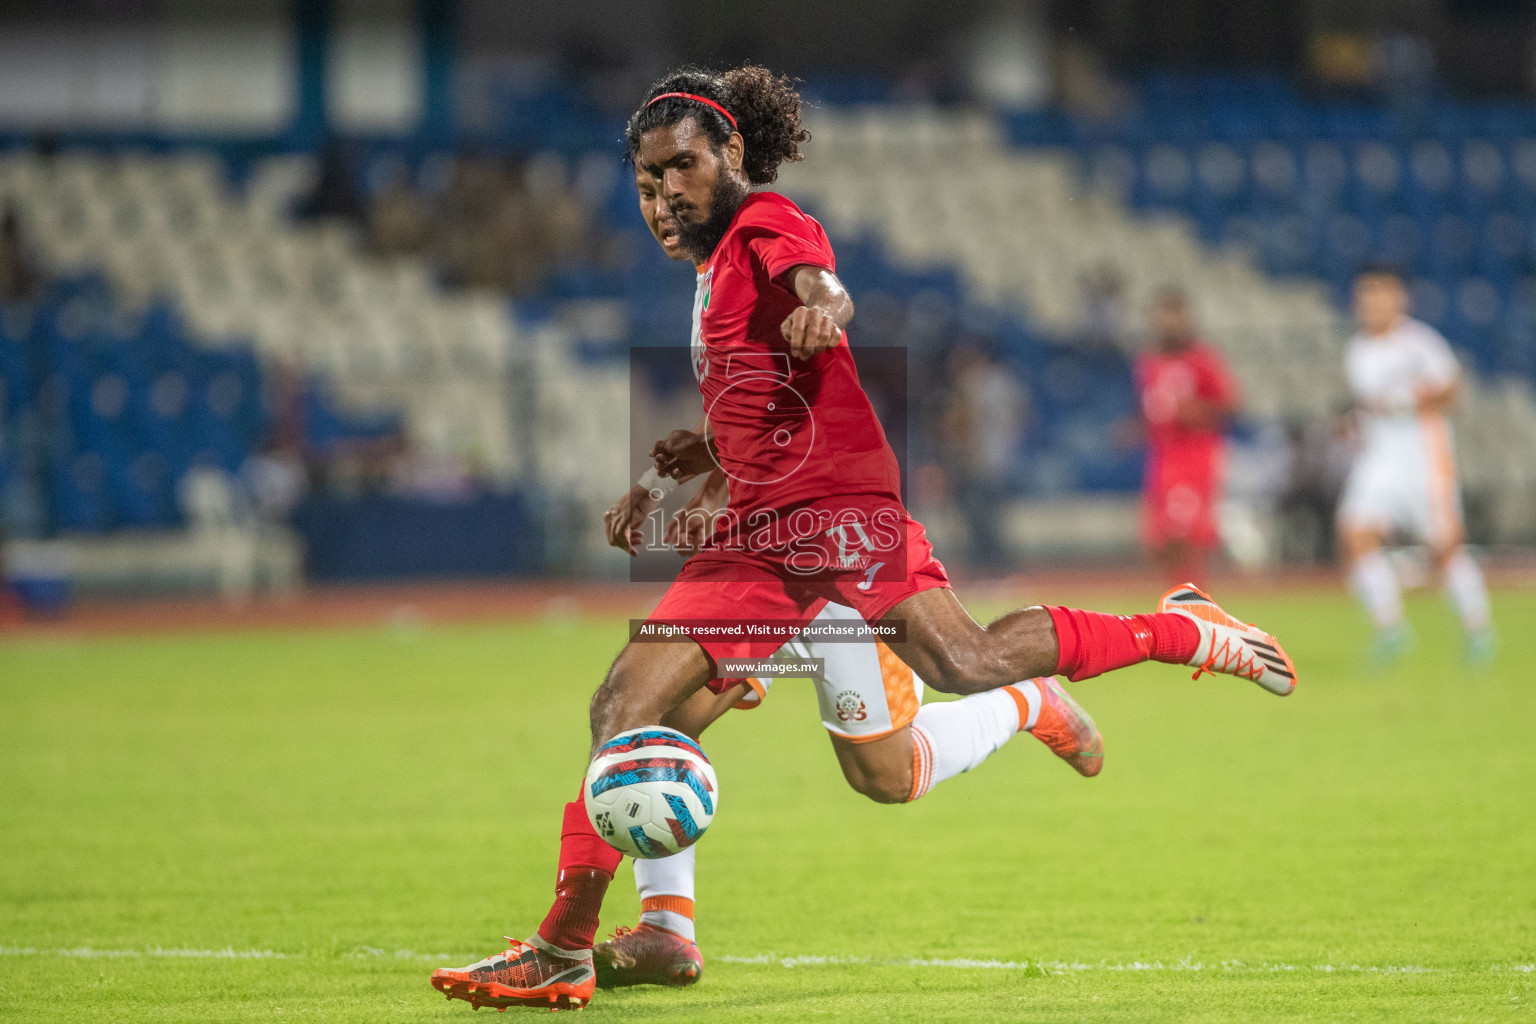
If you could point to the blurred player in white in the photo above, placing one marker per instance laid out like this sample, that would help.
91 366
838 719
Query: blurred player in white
1404 380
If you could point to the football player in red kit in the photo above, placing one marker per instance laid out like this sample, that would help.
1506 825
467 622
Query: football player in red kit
892 747
816 512
1187 395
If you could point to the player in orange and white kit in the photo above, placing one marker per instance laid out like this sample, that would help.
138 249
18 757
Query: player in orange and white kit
870 703
891 747
1404 378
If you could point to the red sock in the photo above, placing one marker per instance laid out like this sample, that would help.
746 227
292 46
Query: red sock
1175 638
587 865
1092 643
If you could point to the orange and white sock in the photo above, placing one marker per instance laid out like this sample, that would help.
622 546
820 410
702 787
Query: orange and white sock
952 737
674 913
666 892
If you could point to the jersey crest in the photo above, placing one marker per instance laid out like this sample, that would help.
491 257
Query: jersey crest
701 292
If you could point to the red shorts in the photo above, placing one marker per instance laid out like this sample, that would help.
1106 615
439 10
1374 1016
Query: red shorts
870 563
1180 499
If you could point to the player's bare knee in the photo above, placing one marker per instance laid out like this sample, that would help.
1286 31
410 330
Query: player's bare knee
610 705
881 787
962 670
936 665
885 791
600 709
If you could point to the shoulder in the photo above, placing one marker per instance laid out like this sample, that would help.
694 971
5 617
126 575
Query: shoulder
1418 332
1208 356
1427 343
1435 357
773 212
771 230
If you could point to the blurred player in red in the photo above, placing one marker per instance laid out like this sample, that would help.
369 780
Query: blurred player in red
1187 395
815 506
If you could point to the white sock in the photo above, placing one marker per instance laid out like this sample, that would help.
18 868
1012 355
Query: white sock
1375 584
667 877
955 736
1466 590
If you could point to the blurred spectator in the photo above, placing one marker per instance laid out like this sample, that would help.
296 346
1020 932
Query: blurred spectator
399 223
210 499
500 223
276 482
1187 395
335 194
1083 84
1321 454
19 276
438 477
982 427
1102 323
286 399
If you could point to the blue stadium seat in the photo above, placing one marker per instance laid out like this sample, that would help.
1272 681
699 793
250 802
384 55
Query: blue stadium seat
79 495
1447 190
137 405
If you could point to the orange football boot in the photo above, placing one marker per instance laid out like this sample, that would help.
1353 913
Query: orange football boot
531 973
1229 645
1067 729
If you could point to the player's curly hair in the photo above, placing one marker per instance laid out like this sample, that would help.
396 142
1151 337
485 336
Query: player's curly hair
766 107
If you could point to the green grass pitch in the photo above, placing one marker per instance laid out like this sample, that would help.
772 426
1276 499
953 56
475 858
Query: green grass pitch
298 826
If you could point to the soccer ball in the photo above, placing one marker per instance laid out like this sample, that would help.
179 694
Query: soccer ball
651 792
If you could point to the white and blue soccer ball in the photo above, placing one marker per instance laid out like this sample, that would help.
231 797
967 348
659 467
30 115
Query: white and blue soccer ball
651 792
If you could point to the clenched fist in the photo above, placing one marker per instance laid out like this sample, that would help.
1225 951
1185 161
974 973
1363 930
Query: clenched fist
683 454
810 331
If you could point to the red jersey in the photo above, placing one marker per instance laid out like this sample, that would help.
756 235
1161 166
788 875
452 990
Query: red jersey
789 431
802 448
1184 464
1165 380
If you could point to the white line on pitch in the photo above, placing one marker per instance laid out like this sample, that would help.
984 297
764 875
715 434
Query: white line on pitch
87 952
1066 967
90 952
962 963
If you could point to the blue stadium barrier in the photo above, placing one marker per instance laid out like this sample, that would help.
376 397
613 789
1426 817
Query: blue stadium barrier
377 538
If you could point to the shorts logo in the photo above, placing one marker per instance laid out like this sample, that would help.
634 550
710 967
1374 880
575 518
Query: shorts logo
849 707
853 534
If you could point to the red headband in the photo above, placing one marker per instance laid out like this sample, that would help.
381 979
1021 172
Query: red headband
701 99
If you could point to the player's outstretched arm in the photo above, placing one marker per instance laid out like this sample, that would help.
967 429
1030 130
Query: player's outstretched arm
684 454
622 522
827 309
679 457
693 525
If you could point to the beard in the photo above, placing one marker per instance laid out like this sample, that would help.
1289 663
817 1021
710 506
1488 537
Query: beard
699 239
